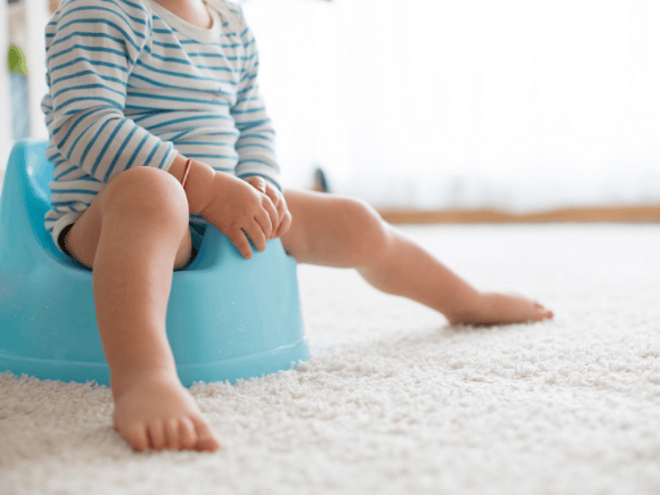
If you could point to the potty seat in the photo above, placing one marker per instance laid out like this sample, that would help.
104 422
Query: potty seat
228 318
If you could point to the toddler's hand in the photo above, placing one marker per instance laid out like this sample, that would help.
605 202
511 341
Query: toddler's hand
282 221
238 210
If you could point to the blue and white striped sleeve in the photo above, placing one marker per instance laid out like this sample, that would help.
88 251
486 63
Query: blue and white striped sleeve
256 142
92 48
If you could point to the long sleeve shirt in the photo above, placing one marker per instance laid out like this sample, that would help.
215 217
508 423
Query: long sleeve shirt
130 84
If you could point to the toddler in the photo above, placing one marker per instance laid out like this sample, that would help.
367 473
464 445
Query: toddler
157 129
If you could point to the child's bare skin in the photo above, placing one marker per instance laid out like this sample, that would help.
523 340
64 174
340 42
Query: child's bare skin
497 309
136 231
342 232
132 236
180 424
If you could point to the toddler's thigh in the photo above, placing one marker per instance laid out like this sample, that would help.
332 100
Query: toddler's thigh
83 237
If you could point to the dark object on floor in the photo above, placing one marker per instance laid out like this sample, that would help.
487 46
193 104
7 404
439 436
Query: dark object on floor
320 181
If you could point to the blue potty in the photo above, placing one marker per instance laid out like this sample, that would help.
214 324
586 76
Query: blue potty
228 318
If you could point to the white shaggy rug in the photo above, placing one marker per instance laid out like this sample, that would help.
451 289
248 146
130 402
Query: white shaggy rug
396 401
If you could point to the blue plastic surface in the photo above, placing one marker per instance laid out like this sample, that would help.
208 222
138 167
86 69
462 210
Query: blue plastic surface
228 318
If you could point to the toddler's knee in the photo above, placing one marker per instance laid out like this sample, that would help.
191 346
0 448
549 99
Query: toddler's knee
369 230
146 192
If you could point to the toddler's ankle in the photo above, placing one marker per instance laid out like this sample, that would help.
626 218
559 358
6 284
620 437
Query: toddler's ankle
122 382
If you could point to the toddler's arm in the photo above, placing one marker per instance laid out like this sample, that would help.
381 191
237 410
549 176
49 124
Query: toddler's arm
91 49
213 194
198 185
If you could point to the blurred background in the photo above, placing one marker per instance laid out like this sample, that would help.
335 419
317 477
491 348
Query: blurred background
516 106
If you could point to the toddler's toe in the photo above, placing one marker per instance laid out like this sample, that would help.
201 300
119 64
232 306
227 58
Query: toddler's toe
188 438
137 437
206 437
157 435
172 436
542 312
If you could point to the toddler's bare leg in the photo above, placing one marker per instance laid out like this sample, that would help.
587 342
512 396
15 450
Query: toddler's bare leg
141 219
342 232
404 268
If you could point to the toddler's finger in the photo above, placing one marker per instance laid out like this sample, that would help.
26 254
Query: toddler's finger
272 214
258 183
255 232
274 195
265 221
281 211
239 239
284 224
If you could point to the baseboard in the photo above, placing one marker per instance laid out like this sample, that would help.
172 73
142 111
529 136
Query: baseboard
642 214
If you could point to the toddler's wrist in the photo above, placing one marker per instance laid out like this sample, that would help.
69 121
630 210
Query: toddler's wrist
198 181
199 184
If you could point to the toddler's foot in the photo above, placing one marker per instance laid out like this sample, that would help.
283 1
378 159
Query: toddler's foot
494 308
154 410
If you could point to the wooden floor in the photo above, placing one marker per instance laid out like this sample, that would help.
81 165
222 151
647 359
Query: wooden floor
631 214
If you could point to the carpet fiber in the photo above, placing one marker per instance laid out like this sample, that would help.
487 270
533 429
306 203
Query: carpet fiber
396 401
